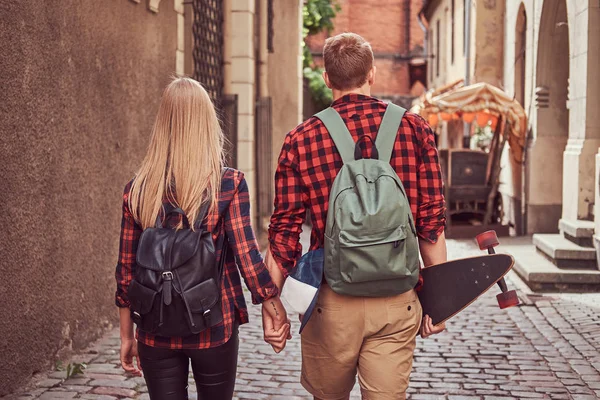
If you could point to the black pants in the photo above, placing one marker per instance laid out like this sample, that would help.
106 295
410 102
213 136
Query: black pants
166 371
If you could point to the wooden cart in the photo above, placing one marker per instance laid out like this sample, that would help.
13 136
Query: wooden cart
471 177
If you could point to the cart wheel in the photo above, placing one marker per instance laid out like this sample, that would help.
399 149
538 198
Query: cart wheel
508 299
487 240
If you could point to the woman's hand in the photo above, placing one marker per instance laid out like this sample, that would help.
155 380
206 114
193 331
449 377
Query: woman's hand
276 325
428 329
129 350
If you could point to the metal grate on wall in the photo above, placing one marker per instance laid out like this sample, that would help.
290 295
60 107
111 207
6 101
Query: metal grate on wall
207 30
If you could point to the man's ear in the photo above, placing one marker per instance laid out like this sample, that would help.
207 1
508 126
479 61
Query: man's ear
326 79
371 75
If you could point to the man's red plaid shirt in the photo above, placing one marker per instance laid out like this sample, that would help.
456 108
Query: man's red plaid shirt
234 210
309 162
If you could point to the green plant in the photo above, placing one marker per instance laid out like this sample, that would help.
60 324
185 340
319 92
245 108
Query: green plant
320 93
75 369
318 15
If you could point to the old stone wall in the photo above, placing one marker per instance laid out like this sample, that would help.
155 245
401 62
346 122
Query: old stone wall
489 42
285 72
559 92
80 86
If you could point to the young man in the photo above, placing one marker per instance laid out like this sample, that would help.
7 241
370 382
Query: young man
374 337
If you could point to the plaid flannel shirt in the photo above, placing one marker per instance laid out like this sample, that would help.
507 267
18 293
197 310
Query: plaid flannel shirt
234 210
309 162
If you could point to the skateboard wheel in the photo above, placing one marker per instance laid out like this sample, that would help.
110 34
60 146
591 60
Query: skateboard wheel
487 240
508 299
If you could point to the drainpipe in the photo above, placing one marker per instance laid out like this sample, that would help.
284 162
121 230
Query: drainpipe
467 13
525 184
420 18
468 42
263 33
227 46
407 27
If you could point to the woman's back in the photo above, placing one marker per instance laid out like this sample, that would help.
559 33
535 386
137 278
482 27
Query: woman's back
181 175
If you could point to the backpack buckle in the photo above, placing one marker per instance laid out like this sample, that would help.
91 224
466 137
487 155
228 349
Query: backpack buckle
167 276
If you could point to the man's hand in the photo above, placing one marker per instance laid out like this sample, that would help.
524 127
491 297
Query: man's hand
276 325
428 329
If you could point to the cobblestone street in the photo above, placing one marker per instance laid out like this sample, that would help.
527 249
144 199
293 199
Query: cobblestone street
548 349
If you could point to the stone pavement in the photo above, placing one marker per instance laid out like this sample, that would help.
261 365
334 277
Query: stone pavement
548 348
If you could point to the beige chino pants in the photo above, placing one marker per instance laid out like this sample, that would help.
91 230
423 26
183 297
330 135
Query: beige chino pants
374 337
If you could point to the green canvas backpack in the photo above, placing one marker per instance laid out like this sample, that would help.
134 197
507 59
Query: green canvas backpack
371 246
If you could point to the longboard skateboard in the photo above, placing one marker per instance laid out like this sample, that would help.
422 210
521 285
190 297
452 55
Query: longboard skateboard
450 287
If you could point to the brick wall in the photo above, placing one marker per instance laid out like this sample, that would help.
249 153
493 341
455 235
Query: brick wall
384 25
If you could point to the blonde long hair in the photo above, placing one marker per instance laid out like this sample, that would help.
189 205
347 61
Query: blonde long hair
185 156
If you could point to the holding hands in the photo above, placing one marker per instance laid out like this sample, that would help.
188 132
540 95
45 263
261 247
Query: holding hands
276 325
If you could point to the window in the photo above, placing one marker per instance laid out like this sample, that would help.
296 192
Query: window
437 48
452 32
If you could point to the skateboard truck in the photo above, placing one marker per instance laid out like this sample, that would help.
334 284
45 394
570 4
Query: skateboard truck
508 298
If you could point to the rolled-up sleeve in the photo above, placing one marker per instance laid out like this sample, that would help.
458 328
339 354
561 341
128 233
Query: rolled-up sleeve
128 242
431 210
241 237
290 208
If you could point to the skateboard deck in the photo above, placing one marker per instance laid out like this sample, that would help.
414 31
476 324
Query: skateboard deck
450 287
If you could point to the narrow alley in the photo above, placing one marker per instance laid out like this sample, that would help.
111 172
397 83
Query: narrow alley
549 348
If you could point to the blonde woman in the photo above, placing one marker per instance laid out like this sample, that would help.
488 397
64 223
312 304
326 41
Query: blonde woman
183 169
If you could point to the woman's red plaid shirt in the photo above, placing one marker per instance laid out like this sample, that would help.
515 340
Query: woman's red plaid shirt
234 210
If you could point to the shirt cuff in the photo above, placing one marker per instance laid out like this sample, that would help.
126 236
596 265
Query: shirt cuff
266 293
284 265
431 234
120 302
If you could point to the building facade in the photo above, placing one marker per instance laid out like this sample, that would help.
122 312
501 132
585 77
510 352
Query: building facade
550 64
81 84
464 42
464 35
263 70
396 35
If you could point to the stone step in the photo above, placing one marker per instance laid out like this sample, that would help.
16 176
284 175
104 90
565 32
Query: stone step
577 231
564 253
542 275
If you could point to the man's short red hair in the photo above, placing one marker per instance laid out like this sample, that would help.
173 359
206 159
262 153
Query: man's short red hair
348 59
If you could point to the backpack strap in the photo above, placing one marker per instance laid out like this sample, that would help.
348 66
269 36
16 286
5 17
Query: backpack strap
388 131
339 133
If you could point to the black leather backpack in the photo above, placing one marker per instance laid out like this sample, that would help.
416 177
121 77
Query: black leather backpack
175 289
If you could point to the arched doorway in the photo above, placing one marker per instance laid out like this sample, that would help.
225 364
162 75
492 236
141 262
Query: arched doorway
515 208
545 166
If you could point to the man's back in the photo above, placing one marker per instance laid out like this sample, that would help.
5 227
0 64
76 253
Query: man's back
309 163
373 337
